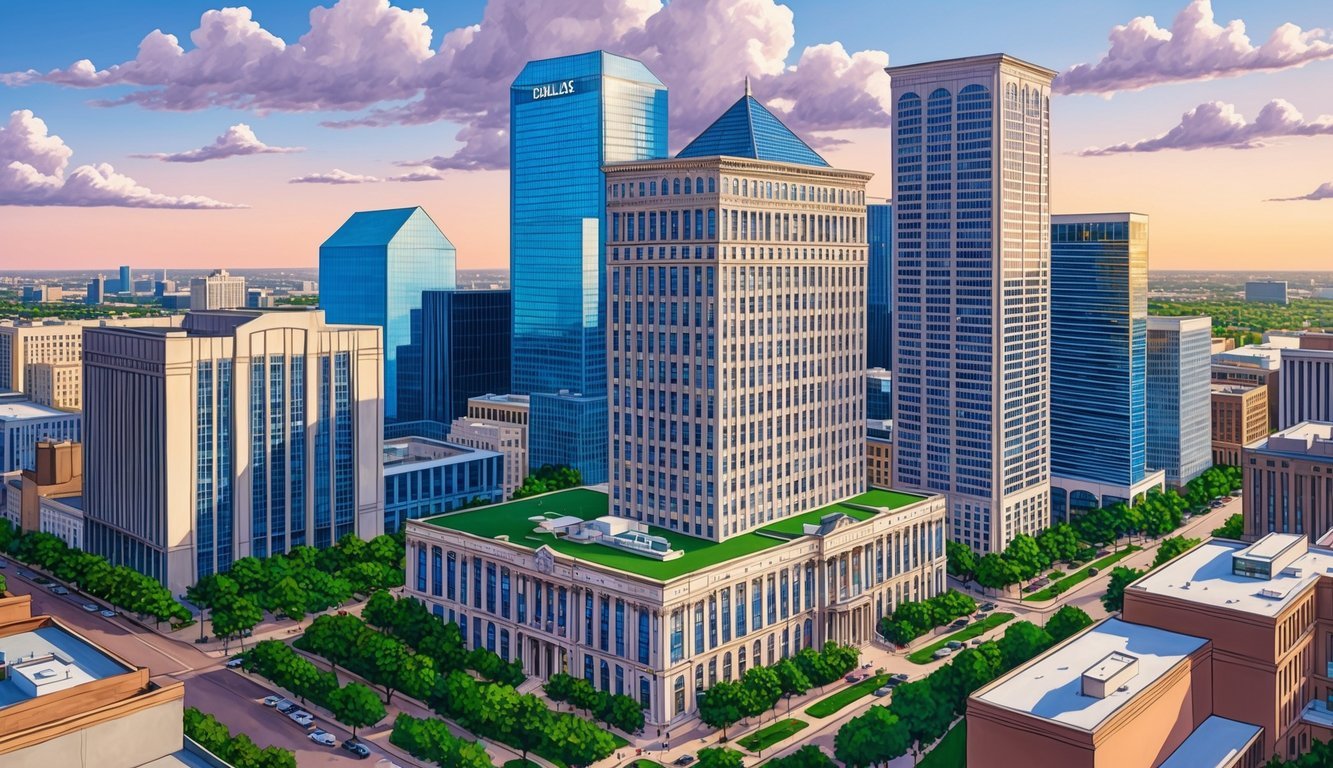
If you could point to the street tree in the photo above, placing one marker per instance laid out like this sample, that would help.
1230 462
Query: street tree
722 705
356 706
1067 621
720 757
1121 577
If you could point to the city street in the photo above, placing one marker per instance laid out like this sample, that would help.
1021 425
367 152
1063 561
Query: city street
233 698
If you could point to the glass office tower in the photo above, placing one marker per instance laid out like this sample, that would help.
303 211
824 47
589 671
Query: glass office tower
971 291
464 349
1099 338
372 272
879 287
1180 397
568 117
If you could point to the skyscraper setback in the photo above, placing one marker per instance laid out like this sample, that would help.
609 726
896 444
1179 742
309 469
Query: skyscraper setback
971 289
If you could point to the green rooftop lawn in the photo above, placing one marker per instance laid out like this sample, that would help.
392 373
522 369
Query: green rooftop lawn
513 519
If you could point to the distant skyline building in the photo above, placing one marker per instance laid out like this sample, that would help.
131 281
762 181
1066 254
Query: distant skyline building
126 283
879 286
1306 382
247 433
465 349
96 291
971 291
372 272
1099 347
219 290
568 117
1179 397
1269 291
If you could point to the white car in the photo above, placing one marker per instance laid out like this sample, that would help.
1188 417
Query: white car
320 736
302 718
272 701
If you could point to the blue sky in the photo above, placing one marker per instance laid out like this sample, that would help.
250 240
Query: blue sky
46 36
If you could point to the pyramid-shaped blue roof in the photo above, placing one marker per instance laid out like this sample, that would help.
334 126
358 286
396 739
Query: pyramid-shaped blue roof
372 227
748 129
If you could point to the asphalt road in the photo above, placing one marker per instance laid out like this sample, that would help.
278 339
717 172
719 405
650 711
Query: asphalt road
233 698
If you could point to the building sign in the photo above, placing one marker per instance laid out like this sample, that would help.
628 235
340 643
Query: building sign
546 91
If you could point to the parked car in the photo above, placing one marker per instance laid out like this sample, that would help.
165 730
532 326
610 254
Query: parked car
901 677
988 606
90 607
1094 571
107 612
884 691
943 653
302 718
272 701
59 590
954 644
683 760
321 736
235 661
959 624
853 677
357 748
286 706
4 563
977 641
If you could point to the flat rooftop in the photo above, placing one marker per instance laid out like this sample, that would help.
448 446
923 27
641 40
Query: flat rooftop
1309 439
518 521
1204 575
1050 687
73 656
14 410
404 452
1216 742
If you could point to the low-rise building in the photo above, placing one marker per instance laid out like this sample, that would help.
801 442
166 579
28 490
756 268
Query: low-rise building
50 498
879 453
1219 658
497 437
425 477
1252 364
1240 417
554 582
1288 482
1306 385
23 424
67 703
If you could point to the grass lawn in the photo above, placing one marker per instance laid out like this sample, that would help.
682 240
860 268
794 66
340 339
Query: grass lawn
646 764
924 655
766 737
951 752
1081 575
521 764
830 704
518 520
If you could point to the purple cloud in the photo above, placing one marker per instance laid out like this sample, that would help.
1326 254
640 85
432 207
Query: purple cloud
32 173
367 53
1196 47
1215 124
239 140
335 176
1323 192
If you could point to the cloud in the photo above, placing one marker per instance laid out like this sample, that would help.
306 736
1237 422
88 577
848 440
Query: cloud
425 174
1196 47
32 172
239 140
1324 192
368 57
1215 124
335 176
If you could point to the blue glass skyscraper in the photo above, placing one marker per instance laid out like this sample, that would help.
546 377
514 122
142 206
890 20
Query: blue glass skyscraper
568 117
464 349
879 287
1180 396
372 272
1099 345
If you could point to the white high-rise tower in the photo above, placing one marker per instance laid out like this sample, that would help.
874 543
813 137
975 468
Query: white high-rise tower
971 291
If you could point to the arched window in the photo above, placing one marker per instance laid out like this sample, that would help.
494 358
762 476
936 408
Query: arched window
421 568
726 666
665 189
772 647
712 184
745 187
698 677
687 185
712 672
675 186
758 653
740 661
735 186
699 184
796 637
678 695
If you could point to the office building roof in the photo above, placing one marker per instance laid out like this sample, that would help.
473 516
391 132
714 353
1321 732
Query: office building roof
518 522
366 228
748 129
1308 439
1051 686
17 410
1206 574
404 453
48 659
1216 742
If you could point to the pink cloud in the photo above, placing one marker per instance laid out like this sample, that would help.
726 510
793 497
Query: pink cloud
1215 124
32 173
335 176
239 140
1323 192
1196 47
367 53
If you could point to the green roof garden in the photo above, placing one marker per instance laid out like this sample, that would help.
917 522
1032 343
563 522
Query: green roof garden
514 520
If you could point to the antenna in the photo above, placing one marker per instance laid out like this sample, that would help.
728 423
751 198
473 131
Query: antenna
747 85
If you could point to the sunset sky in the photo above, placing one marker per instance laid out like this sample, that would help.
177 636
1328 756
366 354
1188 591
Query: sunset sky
181 133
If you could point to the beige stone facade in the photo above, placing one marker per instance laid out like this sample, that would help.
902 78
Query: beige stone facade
661 641
52 351
1240 417
498 436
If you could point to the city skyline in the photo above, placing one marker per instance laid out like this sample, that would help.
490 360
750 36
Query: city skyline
180 140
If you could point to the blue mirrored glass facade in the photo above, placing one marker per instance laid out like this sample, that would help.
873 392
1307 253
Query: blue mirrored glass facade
1180 397
879 394
464 349
1099 332
879 287
568 117
569 430
372 272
